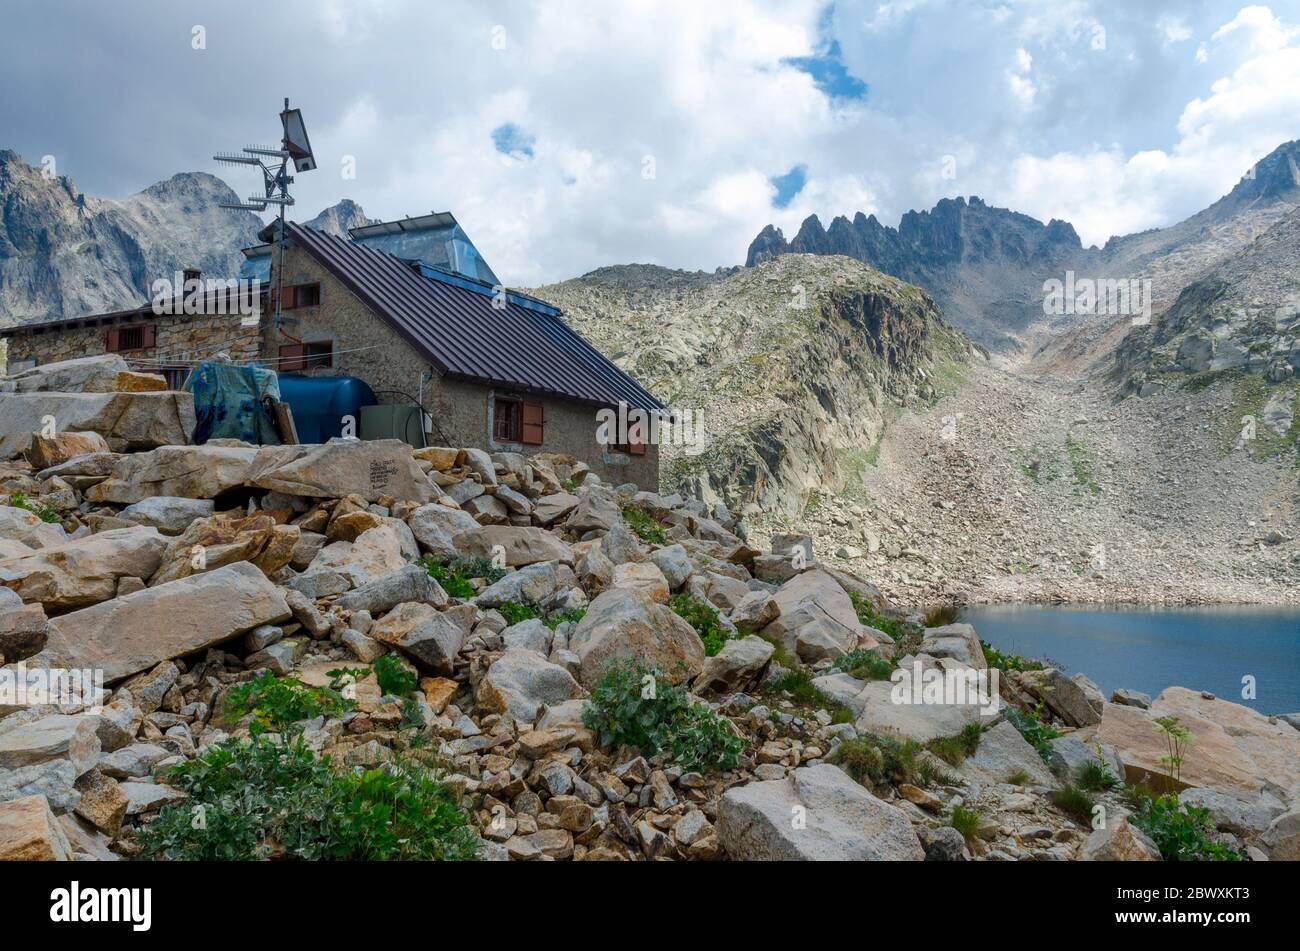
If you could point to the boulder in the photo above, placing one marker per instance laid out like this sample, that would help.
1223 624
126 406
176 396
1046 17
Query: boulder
480 463
170 514
1067 698
20 525
522 545
1282 838
643 577
674 563
815 618
97 374
30 833
127 421
370 468
754 611
71 738
595 511
187 472
1241 813
1001 752
620 626
1072 751
376 554
224 539
921 722
958 641
46 451
521 683
23 627
551 508
135 632
411 583
1119 841
55 779
1131 698
83 571
529 585
620 546
435 526
734 668
532 635
815 814
430 637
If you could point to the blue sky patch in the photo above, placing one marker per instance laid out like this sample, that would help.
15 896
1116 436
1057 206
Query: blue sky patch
829 73
789 185
513 141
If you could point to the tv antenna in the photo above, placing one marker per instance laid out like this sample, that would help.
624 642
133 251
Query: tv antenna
274 163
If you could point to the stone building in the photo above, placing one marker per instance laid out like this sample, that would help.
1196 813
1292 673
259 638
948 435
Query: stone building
409 307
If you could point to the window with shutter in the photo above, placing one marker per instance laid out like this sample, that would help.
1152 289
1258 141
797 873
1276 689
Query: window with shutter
292 357
533 424
505 420
113 340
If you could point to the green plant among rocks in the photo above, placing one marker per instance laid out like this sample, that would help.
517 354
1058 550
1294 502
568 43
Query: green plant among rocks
644 525
1037 734
864 665
19 500
966 821
453 575
1074 802
704 618
277 703
1181 832
907 636
393 678
573 615
797 684
633 705
516 613
1006 662
1093 776
875 761
954 750
259 799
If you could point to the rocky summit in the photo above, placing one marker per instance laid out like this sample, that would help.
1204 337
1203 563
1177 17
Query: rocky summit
590 672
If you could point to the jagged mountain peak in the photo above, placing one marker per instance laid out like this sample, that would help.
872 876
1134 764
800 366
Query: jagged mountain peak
339 217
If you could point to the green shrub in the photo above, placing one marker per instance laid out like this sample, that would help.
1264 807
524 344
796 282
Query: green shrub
953 750
277 703
1037 734
633 705
995 658
966 821
259 796
19 500
573 614
1018 777
1181 832
1074 802
864 665
907 636
704 618
514 612
454 575
798 684
644 526
393 678
875 760
1095 777
941 616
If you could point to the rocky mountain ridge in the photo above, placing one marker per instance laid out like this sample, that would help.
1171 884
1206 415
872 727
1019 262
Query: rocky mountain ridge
64 253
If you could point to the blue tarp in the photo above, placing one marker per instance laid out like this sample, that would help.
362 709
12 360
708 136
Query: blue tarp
228 402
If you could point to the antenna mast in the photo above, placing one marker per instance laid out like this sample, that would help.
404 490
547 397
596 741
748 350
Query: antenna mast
295 147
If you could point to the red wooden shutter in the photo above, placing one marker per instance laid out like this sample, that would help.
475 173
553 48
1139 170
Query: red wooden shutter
111 343
149 335
533 424
292 357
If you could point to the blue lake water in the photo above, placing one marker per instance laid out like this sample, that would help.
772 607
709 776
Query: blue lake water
1150 648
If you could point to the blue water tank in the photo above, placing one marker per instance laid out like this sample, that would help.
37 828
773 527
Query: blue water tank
320 403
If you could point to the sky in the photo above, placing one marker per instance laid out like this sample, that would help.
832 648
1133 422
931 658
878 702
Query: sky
570 135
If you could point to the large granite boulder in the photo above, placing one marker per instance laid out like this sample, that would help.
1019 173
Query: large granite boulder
427 635
522 683
520 545
621 626
734 668
187 472
957 641
815 814
436 525
137 631
815 618
127 421
30 833
224 539
85 570
370 468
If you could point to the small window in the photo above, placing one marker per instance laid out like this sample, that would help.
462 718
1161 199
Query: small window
306 356
301 295
175 376
506 420
122 339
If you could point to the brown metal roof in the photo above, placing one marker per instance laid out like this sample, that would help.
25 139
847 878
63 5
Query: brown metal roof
464 336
